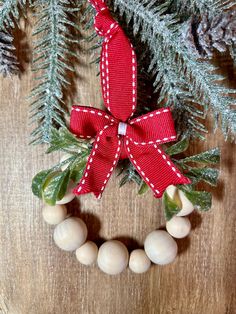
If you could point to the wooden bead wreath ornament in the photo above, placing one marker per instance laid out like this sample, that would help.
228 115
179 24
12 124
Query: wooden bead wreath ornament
117 135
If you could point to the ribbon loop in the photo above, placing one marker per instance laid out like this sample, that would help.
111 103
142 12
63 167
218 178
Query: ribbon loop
156 127
86 122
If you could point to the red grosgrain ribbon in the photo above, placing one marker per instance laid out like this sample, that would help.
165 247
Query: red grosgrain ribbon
117 136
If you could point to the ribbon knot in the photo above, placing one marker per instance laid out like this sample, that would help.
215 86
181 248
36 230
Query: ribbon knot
107 29
117 135
104 24
122 128
99 5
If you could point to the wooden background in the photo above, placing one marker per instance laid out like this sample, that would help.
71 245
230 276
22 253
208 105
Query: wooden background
37 278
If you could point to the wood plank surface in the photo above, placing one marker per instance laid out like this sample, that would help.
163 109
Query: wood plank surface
38 278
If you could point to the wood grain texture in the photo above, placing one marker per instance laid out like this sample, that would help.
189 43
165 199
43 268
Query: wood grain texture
37 278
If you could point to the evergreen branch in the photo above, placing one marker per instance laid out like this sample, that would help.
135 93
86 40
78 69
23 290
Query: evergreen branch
177 93
8 60
51 55
162 32
10 12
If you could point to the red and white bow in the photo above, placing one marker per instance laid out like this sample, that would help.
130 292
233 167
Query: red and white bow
117 136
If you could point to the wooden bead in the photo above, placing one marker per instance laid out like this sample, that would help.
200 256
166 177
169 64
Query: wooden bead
69 196
178 227
172 191
139 262
182 201
70 234
187 207
160 247
63 158
53 215
87 253
112 257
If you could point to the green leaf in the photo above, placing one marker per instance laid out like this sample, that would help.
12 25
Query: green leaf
68 161
186 187
143 188
56 188
63 139
171 208
209 157
78 170
178 148
209 175
124 180
64 186
200 199
39 181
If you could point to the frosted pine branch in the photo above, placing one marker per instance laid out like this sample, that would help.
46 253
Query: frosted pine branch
8 60
10 12
162 32
51 55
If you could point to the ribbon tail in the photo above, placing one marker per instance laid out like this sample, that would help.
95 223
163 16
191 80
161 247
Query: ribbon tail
101 163
155 167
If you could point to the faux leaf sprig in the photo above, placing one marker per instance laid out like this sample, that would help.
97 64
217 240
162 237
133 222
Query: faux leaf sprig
51 184
200 199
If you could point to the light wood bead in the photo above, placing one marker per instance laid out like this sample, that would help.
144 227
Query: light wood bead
113 257
172 191
186 206
70 234
63 158
182 201
87 253
53 215
69 196
178 227
139 262
160 247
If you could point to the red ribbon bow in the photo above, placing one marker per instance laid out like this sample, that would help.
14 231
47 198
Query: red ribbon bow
117 136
